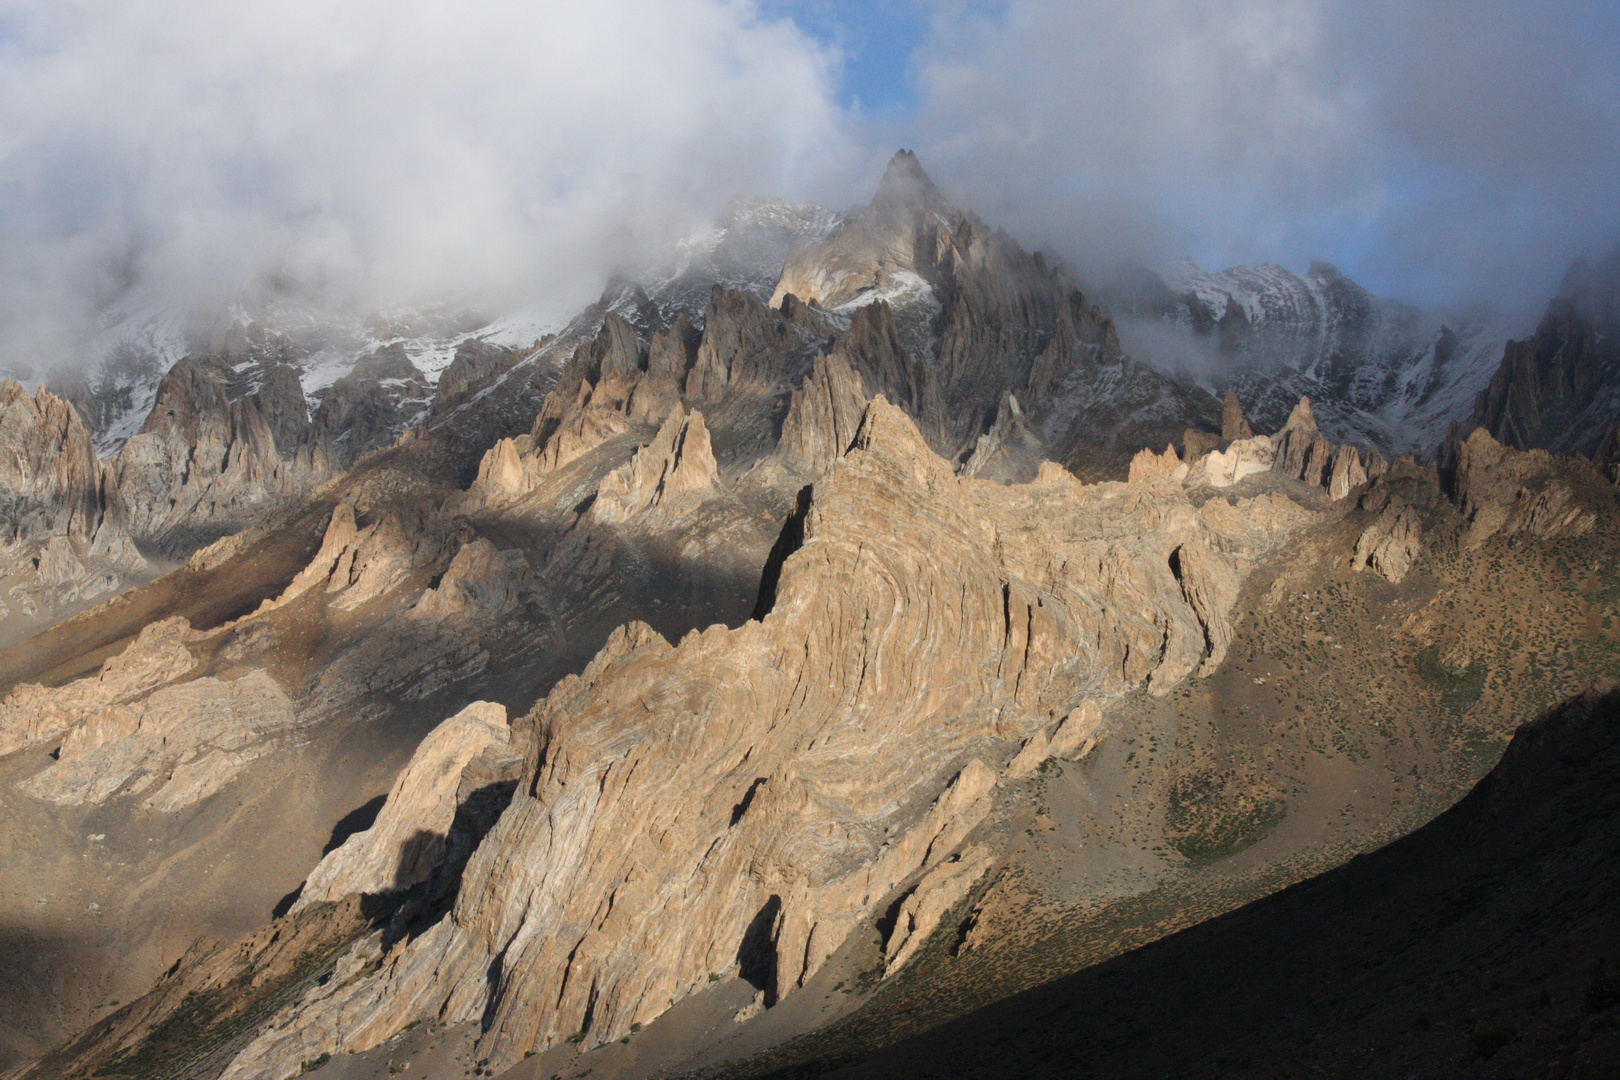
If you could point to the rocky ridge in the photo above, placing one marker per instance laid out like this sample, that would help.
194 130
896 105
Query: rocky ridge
1047 594
1383 373
784 777
1559 389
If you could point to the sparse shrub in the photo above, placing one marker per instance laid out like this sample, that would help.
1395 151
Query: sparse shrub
312 1065
1459 688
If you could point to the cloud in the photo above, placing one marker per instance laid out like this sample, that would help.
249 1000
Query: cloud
510 152
379 152
1434 150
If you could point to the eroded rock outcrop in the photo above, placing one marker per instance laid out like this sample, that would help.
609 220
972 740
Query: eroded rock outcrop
407 841
1392 543
791 774
61 543
1558 390
206 464
1505 491
187 740
32 713
146 722
822 416
676 468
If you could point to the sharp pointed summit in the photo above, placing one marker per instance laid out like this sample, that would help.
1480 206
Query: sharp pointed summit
906 186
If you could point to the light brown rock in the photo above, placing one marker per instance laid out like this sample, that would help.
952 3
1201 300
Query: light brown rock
939 890
793 772
408 838
159 655
1233 426
1243 458
1148 467
676 469
1504 491
1392 543
1346 473
188 740
1079 733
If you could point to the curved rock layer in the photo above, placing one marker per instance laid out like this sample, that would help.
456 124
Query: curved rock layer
792 774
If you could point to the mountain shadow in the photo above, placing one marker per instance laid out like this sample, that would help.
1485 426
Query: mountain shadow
1485 944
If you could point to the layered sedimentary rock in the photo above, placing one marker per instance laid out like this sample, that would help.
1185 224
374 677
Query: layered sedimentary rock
206 464
677 466
31 713
407 841
187 741
1391 544
757 791
141 725
61 544
949 316
50 477
822 416
1504 491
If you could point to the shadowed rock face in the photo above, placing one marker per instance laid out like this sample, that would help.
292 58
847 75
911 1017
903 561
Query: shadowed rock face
1475 946
1383 373
407 842
1560 389
207 464
62 543
738 798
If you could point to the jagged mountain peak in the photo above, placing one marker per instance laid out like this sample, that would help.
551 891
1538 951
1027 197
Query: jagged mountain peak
1594 287
906 186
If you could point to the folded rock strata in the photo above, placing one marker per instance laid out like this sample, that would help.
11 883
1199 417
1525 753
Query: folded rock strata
189 740
741 800
407 841
31 713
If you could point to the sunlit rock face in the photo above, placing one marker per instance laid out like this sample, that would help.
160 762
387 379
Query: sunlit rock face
766 787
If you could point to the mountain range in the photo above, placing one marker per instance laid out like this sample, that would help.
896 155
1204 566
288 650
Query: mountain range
857 624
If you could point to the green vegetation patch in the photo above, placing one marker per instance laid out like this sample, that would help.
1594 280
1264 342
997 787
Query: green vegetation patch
1458 689
1211 817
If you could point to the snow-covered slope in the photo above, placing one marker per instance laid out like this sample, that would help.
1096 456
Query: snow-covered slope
138 340
1377 371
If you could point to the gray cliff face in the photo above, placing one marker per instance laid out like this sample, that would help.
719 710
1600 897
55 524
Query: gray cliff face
1383 373
1559 389
62 543
206 464
971 317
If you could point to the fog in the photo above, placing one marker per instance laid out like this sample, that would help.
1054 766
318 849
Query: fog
1435 152
366 154
379 153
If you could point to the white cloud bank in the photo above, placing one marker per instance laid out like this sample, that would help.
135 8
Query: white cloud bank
381 151
514 151
1436 149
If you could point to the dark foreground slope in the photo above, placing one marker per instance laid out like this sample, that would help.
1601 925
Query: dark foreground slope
1484 944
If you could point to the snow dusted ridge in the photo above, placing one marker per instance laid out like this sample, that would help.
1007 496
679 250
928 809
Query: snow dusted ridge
139 341
1379 372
